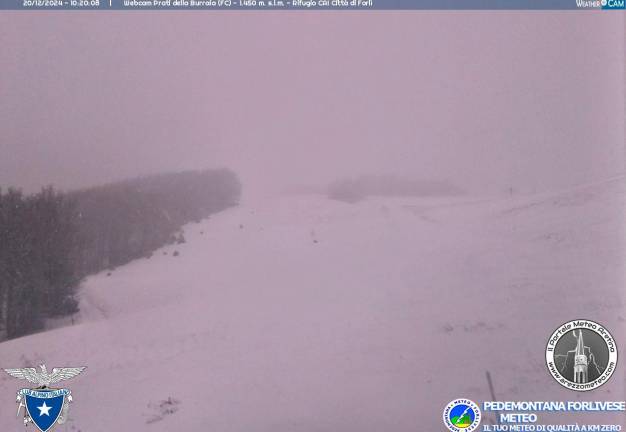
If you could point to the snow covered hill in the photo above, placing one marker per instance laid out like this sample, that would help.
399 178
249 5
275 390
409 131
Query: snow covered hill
306 314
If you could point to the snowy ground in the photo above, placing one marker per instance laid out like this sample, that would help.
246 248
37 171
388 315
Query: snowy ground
305 314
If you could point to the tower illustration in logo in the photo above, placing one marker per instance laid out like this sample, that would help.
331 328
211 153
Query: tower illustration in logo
581 355
580 360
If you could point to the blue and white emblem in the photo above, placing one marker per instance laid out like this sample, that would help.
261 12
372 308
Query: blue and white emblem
44 406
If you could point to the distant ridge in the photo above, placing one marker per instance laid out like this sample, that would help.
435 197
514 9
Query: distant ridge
352 190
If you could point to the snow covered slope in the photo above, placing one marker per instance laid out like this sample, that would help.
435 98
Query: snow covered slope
305 314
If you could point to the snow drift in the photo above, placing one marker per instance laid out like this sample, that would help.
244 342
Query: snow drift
307 314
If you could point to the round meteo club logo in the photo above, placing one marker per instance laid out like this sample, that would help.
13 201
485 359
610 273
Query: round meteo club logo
461 415
581 355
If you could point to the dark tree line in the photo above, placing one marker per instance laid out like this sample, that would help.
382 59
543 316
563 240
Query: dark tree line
127 220
50 240
38 238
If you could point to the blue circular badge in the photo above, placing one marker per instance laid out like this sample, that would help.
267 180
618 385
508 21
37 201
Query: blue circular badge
461 415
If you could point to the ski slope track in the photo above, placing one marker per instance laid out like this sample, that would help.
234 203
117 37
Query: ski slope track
305 314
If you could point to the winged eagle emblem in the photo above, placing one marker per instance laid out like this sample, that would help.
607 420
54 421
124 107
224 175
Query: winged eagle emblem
45 378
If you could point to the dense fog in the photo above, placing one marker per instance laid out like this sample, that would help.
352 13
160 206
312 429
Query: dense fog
486 101
307 222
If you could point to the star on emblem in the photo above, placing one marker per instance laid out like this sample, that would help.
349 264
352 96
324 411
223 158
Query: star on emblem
44 409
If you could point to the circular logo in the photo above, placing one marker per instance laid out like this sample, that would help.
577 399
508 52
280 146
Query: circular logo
604 2
581 355
461 415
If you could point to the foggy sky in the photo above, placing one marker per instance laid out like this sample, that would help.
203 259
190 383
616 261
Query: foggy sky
486 100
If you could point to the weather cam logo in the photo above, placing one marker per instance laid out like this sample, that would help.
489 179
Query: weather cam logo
44 406
581 355
461 415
